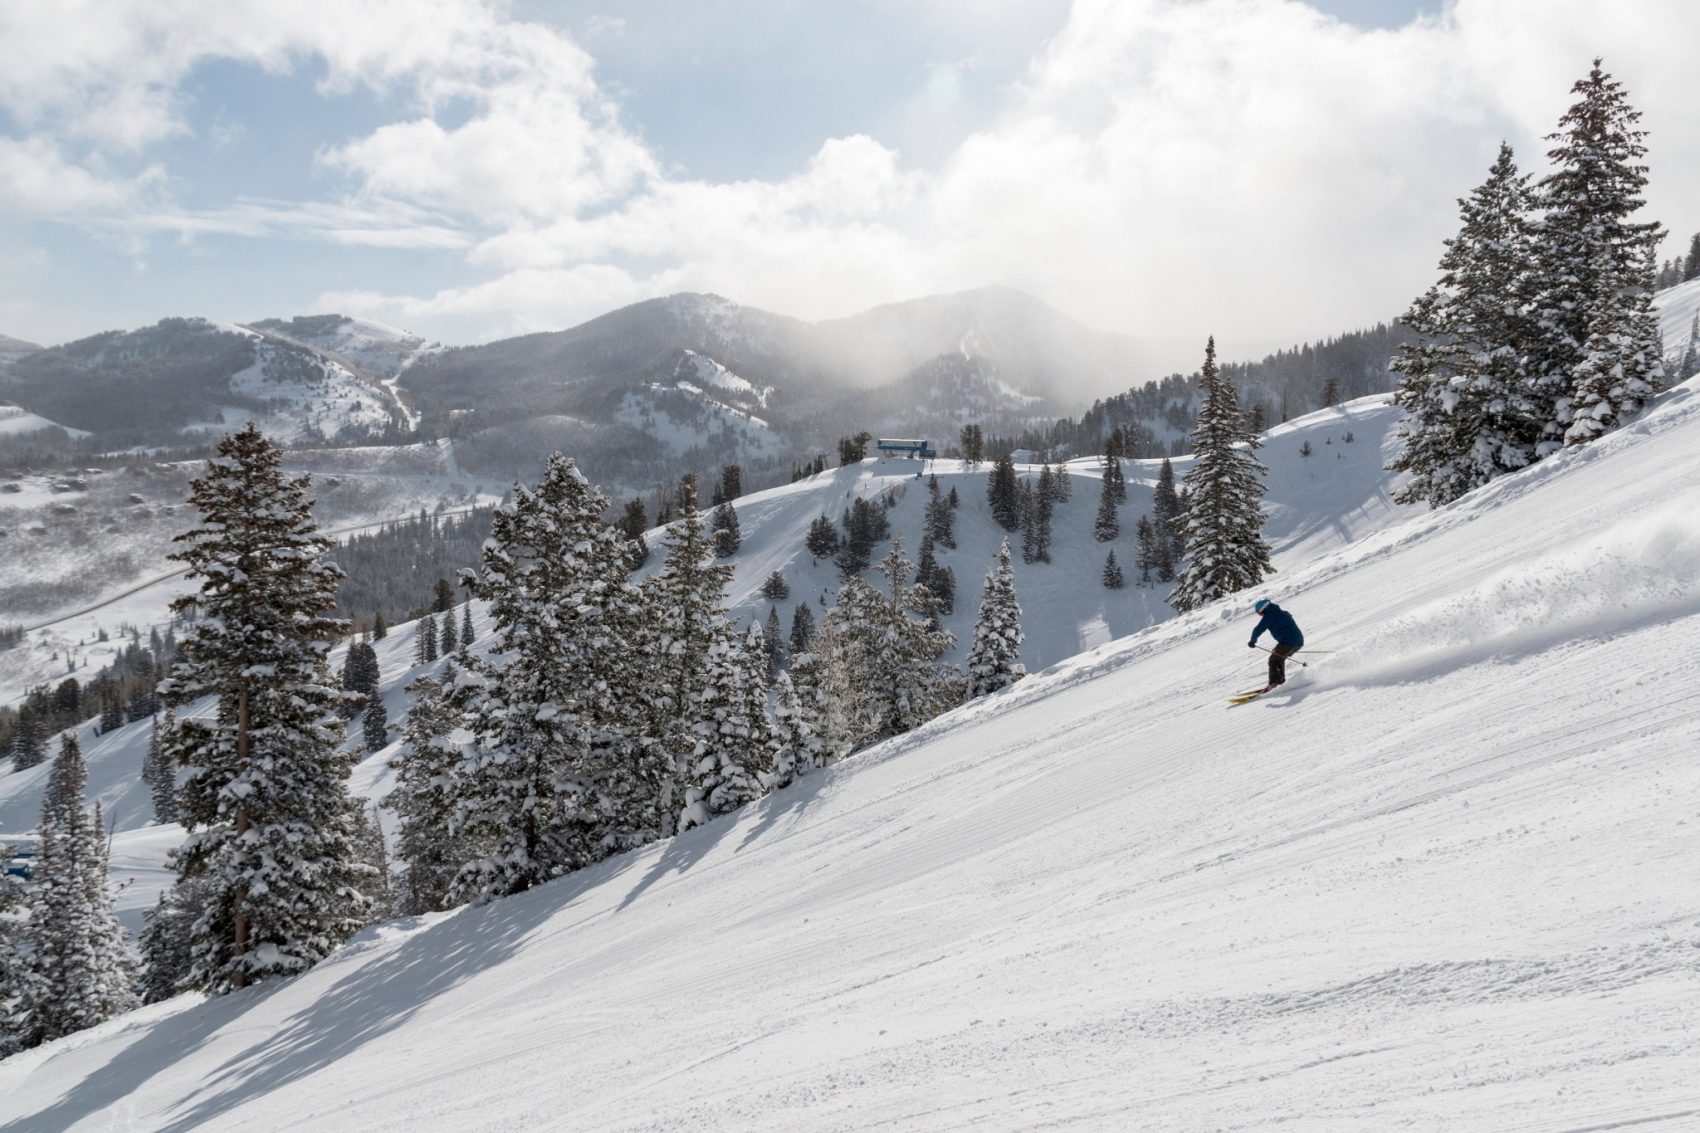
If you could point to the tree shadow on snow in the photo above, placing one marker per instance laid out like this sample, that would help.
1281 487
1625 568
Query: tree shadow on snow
680 853
689 849
787 803
165 1042
372 1000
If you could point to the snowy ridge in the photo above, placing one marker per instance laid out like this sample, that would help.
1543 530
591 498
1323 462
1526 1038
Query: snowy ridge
17 422
1444 880
708 372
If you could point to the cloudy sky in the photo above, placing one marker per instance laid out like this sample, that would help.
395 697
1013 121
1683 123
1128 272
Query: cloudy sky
1265 170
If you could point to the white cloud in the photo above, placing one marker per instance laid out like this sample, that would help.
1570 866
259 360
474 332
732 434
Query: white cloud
386 225
1248 167
1240 166
541 141
36 178
520 302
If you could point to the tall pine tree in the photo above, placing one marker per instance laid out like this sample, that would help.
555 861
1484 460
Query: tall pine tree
1107 525
1225 551
82 968
1468 414
734 753
1594 264
265 798
545 785
158 773
689 643
423 801
992 664
1003 494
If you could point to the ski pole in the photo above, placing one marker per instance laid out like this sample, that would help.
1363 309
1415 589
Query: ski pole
1299 663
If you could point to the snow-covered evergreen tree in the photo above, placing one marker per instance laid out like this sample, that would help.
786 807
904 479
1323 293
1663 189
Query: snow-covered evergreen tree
467 634
265 799
423 801
1225 550
374 723
164 944
829 693
727 535
1593 260
167 939
1147 541
366 673
82 969
375 856
734 753
942 588
882 673
1622 364
1036 522
546 782
158 772
773 639
1113 477
1113 577
1003 494
822 539
27 750
774 588
992 663
941 518
1168 523
802 628
425 641
797 748
691 640
448 640
1690 359
16 976
1107 525
1468 414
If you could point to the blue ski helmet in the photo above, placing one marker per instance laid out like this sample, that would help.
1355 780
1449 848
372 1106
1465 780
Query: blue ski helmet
1259 604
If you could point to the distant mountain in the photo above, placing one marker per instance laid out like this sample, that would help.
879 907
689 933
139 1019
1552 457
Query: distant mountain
11 349
998 355
638 394
183 377
1033 348
365 347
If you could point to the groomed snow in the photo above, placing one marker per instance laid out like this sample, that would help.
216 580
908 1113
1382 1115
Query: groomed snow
1446 880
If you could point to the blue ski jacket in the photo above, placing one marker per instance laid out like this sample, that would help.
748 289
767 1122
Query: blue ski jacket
1280 625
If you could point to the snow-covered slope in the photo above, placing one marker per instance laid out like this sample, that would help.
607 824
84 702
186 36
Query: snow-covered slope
11 349
367 347
1446 880
1677 307
1315 503
15 422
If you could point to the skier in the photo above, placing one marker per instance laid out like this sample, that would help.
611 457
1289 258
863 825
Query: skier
1288 638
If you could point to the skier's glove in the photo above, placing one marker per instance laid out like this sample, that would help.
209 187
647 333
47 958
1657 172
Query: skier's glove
1251 645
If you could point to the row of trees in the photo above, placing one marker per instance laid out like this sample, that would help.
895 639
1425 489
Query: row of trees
1207 538
120 693
64 964
611 713
606 713
1681 269
1540 332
